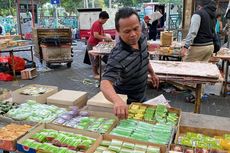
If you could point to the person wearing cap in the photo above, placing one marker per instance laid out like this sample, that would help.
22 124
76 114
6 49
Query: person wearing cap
145 25
199 41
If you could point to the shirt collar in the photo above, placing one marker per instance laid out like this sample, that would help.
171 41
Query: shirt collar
127 47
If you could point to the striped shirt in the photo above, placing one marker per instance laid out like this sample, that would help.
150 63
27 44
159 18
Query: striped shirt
127 68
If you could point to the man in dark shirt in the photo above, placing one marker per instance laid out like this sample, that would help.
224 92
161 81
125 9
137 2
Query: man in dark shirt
199 41
128 65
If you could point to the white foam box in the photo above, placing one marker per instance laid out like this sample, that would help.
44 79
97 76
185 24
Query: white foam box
66 98
100 103
19 98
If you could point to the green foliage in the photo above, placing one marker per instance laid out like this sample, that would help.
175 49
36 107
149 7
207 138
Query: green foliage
7 7
177 2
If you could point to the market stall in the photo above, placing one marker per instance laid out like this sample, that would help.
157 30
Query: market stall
12 46
173 51
188 72
39 127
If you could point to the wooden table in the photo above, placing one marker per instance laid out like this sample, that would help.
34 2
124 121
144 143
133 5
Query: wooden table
100 54
162 56
12 50
182 73
225 65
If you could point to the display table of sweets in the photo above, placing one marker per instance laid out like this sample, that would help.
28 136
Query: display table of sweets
142 131
57 139
203 138
91 121
155 114
9 133
35 112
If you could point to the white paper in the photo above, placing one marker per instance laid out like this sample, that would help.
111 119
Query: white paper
158 100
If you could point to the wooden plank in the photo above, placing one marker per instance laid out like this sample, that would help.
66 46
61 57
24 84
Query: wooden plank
186 69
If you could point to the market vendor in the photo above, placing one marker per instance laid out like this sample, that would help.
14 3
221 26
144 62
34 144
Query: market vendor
128 65
96 35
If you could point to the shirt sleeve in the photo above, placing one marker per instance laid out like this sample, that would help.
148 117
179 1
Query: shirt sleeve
193 30
97 28
112 70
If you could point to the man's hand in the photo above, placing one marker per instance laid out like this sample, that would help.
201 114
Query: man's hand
184 52
108 39
155 80
121 110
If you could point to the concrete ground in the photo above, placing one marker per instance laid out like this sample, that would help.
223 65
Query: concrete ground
72 78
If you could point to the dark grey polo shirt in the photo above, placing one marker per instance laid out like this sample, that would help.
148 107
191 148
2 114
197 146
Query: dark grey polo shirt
127 68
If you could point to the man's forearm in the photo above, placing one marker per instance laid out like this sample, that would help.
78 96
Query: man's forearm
109 92
150 69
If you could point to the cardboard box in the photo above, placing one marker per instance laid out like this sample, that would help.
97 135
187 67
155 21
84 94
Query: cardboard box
28 73
209 132
22 148
66 98
19 98
166 38
205 131
10 145
100 103
184 148
110 138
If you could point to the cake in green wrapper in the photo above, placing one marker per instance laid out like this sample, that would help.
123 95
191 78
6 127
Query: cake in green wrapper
105 143
115 148
128 145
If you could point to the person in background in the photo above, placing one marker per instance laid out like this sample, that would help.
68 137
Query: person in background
145 26
96 35
128 65
219 26
0 30
199 41
153 31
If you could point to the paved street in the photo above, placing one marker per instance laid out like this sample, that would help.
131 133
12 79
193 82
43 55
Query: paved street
73 77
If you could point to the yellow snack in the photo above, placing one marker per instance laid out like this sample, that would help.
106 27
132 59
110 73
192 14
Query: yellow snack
225 144
135 107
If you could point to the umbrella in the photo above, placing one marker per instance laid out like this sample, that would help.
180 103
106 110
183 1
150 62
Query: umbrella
155 16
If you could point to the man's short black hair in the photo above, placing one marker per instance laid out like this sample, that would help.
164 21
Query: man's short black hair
124 13
0 30
103 15
203 2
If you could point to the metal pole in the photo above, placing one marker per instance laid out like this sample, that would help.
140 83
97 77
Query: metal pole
33 17
93 4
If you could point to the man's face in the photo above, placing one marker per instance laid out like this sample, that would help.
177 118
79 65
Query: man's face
103 21
130 30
